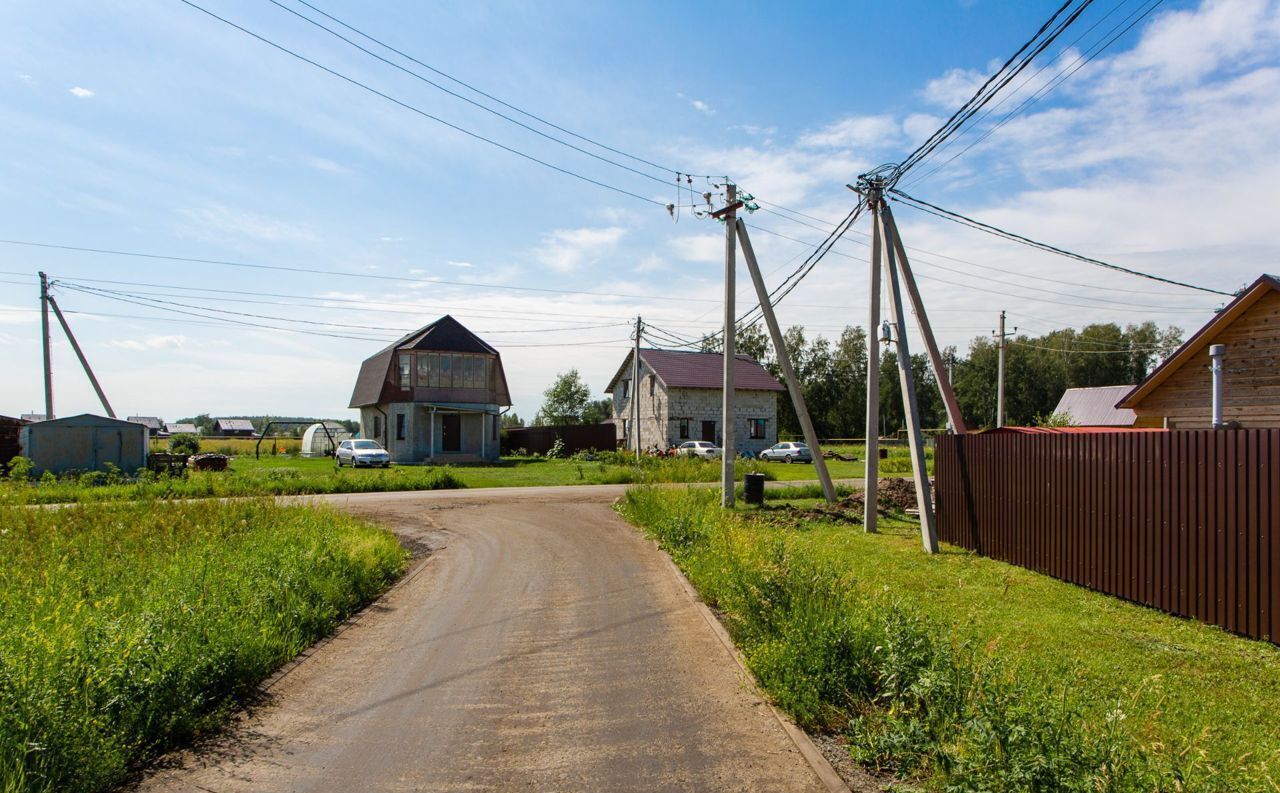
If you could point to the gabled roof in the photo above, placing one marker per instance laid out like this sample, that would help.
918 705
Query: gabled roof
33 417
1095 407
181 427
1199 342
679 369
150 422
237 425
444 335
87 419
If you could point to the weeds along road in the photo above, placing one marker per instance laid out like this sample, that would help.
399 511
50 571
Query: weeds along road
544 645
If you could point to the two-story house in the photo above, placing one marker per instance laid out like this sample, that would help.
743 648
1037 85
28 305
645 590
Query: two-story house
680 400
435 395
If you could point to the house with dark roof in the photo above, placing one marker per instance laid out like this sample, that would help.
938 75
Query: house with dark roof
233 428
1178 394
152 423
680 400
435 395
1096 407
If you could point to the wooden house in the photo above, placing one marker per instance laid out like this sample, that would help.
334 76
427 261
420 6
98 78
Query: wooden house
1178 394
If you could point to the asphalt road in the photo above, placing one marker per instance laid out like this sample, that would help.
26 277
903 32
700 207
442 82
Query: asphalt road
543 645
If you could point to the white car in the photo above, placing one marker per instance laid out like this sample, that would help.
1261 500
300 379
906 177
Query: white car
357 453
704 449
788 452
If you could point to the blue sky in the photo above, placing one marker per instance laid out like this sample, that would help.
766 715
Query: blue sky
154 128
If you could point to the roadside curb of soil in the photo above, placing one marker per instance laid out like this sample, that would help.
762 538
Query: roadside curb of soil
826 773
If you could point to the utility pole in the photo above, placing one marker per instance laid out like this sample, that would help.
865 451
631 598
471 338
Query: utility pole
728 410
84 362
44 337
635 389
1001 336
871 472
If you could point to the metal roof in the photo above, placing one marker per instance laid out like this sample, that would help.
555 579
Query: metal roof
177 428
444 335
151 422
234 424
1095 407
679 369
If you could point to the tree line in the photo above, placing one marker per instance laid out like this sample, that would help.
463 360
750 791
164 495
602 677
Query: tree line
1038 369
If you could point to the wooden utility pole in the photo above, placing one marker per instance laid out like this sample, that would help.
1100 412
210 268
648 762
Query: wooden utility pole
728 409
634 407
955 419
910 405
1002 336
44 337
84 362
871 473
784 363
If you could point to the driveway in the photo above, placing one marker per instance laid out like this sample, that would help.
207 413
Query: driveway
543 645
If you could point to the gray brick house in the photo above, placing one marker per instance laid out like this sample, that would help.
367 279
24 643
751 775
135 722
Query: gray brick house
433 396
680 400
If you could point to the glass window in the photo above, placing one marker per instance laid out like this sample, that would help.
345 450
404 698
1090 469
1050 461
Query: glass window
399 426
626 386
404 370
757 428
444 373
424 370
653 383
475 372
684 428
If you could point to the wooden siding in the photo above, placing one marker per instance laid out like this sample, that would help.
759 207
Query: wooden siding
1251 387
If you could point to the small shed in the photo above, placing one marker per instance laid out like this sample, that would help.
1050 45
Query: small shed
10 432
233 428
85 443
317 443
1096 407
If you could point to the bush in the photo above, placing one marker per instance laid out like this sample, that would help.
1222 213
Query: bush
21 469
557 449
184 443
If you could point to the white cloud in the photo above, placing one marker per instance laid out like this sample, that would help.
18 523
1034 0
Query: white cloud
565 250
83 93
706 248
953 88
464 265
855 132
698 105
217 221
170 342
26 78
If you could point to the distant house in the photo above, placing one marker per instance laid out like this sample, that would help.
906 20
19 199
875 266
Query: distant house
1179 393
85 443
680 400
183 428
155 425
33 417
10 432
233 428
1096 407
433 396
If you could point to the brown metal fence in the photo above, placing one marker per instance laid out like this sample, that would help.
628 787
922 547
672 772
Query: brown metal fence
1184 521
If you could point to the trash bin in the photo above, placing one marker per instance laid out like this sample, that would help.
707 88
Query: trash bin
753 489
884 453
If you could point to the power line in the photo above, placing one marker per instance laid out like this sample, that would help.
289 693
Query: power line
1065 74
452 93
349 274
1129 351
956 217
418 110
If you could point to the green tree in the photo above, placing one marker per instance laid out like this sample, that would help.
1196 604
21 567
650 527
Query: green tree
564 401
511 420
597 411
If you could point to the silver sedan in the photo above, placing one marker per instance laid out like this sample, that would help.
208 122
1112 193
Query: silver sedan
788 452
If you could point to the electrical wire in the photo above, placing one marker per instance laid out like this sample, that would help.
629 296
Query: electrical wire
419 111
956 217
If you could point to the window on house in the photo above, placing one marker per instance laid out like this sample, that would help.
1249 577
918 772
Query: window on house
405 361
757 429
424 371
684 429
626 428
653 383
496 421
377 426
626 387
399 426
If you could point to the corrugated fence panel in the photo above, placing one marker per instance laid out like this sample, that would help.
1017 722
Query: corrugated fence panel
1185 521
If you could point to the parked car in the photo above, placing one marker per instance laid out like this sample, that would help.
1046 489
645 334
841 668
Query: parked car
788 452
357 453
704 449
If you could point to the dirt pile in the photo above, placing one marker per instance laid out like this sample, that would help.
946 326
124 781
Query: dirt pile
893 495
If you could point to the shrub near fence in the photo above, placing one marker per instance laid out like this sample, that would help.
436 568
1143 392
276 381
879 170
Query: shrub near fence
1184 521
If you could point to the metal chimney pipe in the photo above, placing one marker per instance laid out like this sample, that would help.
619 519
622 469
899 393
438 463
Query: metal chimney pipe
1217 352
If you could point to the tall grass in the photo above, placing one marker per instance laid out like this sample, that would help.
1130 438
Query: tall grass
97 486
128 628
910 692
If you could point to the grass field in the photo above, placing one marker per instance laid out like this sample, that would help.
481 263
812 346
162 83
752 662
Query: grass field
286 475
126 628
964 673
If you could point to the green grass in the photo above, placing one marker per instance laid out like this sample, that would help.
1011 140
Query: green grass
127 628
964 673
